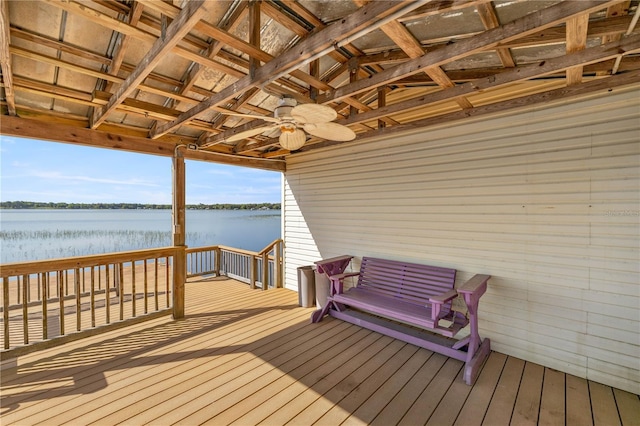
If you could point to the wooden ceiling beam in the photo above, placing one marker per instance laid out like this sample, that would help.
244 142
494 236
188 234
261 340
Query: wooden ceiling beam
576 41
214 49
360 22
408 43
175 32
462 76
271 10
490 20
78 135
602 84
609 27
438 7
59 45
123 42
124 28
528 24
550 66
5 58
235 42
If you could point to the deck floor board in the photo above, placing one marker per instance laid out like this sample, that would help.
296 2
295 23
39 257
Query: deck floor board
246 357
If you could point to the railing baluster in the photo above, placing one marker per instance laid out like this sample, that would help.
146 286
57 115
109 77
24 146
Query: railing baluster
146 277
61 300
155 281
25 309
78 295
121 289
107 295
166 278
45 320
133 288
93 296
5 310
265 271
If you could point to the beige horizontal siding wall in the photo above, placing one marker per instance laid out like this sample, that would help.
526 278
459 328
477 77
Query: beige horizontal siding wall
546 201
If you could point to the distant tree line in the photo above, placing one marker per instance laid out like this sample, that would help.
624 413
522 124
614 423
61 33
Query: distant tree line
133 206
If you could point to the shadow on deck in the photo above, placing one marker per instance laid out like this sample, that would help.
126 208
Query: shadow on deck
247 357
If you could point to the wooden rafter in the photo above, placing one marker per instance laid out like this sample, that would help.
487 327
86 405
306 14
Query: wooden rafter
591 55
307 50
610 27
576 40
5 58
489 39
401 36
393 80
621 80
490 20
175 32
123 42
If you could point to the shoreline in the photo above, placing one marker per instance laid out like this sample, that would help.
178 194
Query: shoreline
37 205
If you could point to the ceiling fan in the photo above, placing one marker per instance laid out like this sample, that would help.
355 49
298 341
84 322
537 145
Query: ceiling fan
293 121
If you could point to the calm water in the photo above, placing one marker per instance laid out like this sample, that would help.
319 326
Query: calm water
46 234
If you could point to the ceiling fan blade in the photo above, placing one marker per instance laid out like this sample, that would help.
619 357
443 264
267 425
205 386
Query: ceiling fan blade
249 133
313 113
238 114
330 131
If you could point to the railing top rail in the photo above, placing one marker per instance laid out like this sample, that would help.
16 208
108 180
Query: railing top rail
237 250
39 266
203 248
269 247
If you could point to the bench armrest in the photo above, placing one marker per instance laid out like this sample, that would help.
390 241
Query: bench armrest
343 276
477 285
337 286
444 297
437 303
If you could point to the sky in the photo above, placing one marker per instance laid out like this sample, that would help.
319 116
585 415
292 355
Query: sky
33 170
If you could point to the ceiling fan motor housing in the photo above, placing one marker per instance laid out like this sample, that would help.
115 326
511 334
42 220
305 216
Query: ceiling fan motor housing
283 110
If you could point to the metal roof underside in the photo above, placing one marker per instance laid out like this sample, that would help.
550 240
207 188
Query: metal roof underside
150 75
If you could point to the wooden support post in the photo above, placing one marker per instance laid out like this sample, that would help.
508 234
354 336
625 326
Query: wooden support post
217 260
178 215
254 35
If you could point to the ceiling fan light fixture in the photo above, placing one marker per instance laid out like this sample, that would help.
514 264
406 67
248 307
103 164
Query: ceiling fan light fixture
292 139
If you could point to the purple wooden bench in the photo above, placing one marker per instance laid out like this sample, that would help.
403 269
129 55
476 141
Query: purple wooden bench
413 295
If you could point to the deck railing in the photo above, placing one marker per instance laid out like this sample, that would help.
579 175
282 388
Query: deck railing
261 269
56 298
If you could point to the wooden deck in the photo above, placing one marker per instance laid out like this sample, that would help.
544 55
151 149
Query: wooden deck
250 357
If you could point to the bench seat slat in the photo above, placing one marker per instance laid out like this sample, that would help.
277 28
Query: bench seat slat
398 309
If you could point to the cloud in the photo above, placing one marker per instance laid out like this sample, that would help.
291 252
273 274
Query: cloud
79 178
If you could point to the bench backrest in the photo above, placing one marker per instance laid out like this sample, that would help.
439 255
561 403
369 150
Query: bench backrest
410 282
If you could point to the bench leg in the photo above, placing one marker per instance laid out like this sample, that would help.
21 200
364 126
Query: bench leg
317 315
473 365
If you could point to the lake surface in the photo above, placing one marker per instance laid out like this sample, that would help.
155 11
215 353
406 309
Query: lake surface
27 235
